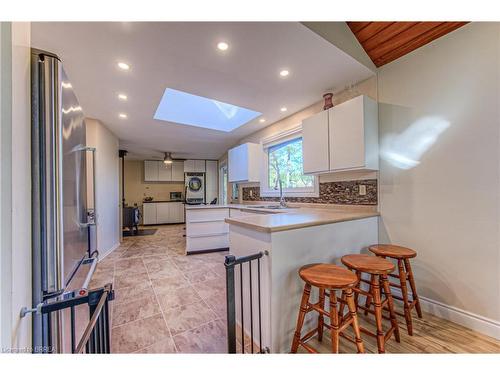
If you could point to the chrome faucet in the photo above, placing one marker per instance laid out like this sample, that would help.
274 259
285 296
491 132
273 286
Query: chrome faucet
283 203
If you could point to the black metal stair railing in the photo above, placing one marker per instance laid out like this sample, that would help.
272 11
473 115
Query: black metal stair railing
232 264
96 336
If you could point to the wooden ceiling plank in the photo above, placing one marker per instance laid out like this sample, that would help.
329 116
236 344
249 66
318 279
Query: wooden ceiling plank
357 26
419 41
402 38
374 28
388 33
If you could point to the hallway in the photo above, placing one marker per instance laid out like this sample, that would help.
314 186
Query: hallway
165 302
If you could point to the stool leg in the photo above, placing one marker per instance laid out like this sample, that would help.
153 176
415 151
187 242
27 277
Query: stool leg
355 325
390 302
378 314
404 291
341 308
300 319
334 321
356 294
321 319
369 298
413 287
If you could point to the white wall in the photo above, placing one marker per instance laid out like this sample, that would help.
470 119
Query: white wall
15 186
445 205
107 185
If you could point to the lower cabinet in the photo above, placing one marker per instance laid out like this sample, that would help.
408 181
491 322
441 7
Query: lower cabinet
163 213
206 229
149 213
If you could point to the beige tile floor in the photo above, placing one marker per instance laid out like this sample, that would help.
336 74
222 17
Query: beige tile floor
165 301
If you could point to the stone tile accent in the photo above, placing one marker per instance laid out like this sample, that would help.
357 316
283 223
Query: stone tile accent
341 192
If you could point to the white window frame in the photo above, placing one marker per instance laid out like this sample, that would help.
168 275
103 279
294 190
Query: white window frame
265 190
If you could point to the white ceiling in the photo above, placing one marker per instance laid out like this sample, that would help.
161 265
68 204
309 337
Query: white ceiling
184 56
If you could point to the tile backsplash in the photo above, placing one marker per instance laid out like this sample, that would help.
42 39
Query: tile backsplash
340 192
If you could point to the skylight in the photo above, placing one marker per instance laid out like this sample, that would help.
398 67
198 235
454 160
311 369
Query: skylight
188 109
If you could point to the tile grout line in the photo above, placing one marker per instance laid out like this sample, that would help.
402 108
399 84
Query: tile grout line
161 309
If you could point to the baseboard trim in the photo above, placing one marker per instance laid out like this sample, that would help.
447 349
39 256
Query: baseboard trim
113 248
475 322
478 323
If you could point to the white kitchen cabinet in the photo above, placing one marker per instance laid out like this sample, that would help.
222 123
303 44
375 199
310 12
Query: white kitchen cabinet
163 212
343 138
149 213
194 166
353 135
151 170
176 213
164 171
189 166
206 229
315 143
199 165
211 180
178 171
244 162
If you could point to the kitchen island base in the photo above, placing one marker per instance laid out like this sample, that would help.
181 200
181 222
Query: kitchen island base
288 250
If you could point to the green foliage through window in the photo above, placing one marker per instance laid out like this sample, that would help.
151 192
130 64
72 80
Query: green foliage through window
286 159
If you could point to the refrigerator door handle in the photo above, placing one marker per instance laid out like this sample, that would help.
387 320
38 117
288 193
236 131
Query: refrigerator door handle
91 213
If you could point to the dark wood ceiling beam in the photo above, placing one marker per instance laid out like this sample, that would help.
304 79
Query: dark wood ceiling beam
401 39
417 42
374 28
390 32
357 26
387 41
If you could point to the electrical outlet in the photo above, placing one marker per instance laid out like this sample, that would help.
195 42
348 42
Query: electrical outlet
362 189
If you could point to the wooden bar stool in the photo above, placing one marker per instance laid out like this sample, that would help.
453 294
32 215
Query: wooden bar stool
332 278
403 256
378 269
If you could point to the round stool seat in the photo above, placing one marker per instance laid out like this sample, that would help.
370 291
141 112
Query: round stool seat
368 263
328 276
393 251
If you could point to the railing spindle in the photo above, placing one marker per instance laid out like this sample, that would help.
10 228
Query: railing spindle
251 305
260 318
241 303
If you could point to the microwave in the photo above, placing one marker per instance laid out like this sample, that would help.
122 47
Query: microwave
176 196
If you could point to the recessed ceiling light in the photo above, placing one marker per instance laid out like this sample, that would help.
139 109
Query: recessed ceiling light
262 120
283 109
123 66
284 73
222 46
122 97
123 115
66 85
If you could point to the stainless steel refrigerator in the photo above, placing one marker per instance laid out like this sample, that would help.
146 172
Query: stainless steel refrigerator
63 225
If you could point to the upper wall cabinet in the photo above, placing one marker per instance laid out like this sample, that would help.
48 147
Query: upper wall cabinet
194 166
244 162
158 171
343 138
151 170
178 171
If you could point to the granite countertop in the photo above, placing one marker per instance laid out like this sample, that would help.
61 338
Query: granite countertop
299 218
